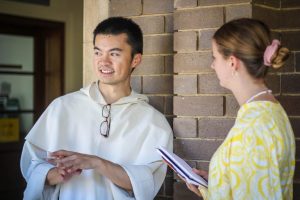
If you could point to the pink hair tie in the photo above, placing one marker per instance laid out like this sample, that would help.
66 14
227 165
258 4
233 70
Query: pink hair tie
269 52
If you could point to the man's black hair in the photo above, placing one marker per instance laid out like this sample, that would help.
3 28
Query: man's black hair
119 25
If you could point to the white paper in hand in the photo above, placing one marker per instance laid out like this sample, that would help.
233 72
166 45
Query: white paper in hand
181 167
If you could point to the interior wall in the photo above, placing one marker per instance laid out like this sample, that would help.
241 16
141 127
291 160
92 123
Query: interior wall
71 13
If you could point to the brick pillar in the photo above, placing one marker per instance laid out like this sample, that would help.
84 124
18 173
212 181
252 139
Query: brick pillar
91 17
154 76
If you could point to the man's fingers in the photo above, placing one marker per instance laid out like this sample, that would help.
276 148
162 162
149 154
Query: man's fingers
74 170
61 153
51 161
61 171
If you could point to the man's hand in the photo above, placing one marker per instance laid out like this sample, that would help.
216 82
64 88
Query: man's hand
73 163
57 175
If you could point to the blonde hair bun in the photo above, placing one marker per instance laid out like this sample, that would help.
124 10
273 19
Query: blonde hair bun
279 58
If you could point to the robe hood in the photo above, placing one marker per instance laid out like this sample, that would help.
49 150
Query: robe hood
93 92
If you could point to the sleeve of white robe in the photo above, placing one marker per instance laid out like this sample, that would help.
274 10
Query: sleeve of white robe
146 180
35 170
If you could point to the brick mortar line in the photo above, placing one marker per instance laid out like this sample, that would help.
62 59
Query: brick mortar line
206 161
291 94
157 34
287 9
158 54
199 51
196 30
192 160
208 117
190 52
230 94
142 2
144 75
286 30
294 117
266 6
288 73
147 75
150 15
196 117
159 95
285 73
211 6
165 24
205 95
213 73
201 139
276 9
196 73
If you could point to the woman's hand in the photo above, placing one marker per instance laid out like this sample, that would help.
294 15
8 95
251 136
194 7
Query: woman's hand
192 187
202 173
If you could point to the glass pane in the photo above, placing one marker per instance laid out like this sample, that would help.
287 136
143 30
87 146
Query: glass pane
16 51
21 90
26 123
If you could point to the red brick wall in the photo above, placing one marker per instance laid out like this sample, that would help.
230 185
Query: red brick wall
187 91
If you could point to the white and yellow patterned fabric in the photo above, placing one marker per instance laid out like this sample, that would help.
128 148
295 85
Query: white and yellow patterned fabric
257 158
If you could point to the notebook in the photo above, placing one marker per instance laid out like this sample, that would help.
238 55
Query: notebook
181 167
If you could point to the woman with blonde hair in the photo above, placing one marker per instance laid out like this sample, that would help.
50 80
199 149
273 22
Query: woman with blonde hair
257 158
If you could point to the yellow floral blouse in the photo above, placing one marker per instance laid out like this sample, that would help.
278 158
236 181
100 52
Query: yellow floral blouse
257 158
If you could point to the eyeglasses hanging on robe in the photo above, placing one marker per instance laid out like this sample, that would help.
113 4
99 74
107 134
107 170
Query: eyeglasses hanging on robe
105 125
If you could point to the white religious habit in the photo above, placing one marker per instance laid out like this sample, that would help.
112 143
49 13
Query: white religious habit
72 122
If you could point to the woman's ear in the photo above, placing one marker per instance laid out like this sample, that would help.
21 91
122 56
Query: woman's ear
137 59
234 63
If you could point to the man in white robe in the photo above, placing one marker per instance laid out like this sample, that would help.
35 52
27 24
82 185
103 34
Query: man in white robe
100 142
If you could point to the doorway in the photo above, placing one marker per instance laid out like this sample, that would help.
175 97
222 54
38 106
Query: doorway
31 76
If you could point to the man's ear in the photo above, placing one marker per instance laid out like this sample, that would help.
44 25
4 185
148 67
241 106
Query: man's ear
137 59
